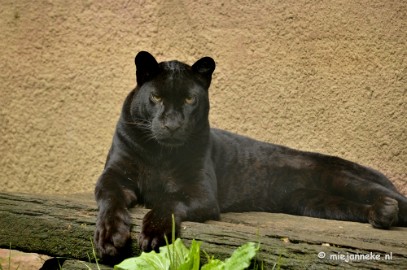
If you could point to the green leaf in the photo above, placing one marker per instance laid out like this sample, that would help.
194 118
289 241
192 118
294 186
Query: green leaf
241 257
147 261
192 260
176 253
170 257
214 264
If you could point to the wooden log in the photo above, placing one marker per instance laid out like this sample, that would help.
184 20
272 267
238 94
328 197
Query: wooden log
63 226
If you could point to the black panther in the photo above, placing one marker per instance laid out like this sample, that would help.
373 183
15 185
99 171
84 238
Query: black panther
166 157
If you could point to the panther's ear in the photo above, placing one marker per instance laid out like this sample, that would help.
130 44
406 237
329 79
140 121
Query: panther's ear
204 66
146 67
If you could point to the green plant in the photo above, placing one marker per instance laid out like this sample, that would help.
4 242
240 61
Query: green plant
94 254
178 257
240 259
9 261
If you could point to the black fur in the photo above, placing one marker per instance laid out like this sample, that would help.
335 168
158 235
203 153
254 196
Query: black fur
165 156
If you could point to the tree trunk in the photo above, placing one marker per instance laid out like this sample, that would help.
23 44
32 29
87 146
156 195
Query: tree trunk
62 226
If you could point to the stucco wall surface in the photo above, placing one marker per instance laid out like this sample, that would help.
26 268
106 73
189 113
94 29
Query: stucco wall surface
326 76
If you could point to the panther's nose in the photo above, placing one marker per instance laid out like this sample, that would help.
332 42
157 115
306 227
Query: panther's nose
172 126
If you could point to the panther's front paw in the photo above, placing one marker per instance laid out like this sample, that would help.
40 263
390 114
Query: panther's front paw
156 226
112 235
383 213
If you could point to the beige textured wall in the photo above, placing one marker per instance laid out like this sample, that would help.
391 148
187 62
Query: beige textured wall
327 76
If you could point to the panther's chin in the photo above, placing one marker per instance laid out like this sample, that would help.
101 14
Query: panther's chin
171 142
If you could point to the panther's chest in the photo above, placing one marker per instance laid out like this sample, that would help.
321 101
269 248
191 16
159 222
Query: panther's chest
156 181
169 173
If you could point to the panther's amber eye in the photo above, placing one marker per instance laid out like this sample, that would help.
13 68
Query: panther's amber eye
156 98
190 100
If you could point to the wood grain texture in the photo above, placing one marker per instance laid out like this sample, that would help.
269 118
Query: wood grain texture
63 226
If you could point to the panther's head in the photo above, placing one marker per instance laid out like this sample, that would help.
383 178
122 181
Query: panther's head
171 102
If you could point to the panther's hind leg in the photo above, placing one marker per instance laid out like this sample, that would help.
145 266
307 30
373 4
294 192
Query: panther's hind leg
384 201
384 213
383 207
321 204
